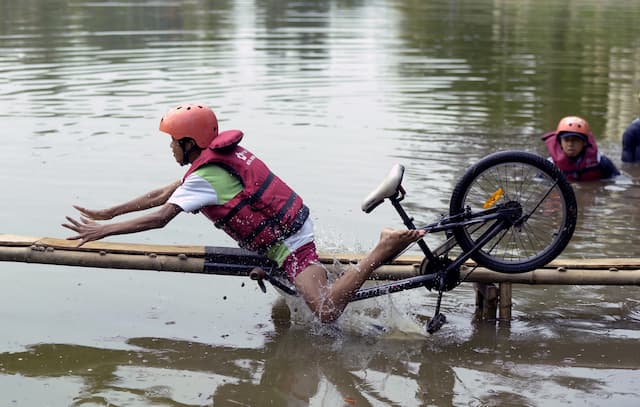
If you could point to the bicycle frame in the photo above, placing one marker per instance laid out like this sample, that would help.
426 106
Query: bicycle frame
493 219
501 216
444 274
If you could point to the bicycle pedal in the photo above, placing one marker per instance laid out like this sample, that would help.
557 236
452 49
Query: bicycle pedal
436 323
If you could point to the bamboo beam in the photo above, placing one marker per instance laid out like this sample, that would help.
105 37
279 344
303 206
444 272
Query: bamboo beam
151 261
561 276
176 258
102 259
191 259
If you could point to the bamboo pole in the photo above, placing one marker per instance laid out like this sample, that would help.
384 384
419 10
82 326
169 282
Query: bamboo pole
152 261
562 276
176 258
191 259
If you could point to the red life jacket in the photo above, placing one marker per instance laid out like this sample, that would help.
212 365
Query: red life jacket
265 211
586 168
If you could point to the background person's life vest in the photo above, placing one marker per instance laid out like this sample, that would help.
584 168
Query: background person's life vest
266 211
585 168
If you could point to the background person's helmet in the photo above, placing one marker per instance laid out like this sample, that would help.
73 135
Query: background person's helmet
573 124
195 121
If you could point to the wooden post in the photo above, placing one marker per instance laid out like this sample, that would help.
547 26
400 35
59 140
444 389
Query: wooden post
486 301
490 299
505 302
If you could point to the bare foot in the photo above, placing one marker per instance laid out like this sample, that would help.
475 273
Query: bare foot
329 303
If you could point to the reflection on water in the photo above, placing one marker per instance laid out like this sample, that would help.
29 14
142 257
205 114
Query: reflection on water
296 367
565 343
331 94
608 222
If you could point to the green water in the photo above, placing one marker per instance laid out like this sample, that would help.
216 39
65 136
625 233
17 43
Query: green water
330 94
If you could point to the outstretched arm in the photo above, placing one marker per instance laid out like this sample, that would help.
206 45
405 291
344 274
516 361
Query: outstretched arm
88 230
150 200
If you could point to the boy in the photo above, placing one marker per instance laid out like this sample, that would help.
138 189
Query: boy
572 148
238 192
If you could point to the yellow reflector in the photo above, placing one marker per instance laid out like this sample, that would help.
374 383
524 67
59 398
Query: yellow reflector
493 198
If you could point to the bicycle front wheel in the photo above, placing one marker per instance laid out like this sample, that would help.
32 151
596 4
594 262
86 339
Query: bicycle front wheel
548 206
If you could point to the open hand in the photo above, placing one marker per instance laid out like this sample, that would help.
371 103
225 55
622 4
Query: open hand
87 230
102 214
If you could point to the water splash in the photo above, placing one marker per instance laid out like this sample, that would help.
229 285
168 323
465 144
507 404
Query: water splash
374 317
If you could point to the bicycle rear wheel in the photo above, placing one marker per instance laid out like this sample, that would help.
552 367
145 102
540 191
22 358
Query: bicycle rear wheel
548 205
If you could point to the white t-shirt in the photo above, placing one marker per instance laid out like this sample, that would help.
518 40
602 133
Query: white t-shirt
213 185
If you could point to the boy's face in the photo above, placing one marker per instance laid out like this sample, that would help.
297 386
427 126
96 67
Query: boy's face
177 151
572 145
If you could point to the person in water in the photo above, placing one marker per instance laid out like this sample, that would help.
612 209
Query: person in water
240 195
631 141
573 149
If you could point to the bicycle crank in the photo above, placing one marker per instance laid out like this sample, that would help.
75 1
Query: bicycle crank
444 279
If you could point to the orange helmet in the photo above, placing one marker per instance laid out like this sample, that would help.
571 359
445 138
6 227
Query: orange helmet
573 124
195 121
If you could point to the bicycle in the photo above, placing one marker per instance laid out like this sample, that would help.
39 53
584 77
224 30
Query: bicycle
511 212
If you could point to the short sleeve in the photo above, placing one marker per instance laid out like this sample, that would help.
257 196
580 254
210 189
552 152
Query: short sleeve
194 194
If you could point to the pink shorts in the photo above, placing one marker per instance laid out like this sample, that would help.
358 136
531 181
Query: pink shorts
297 261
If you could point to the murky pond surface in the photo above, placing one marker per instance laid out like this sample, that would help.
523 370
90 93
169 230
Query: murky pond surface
330 94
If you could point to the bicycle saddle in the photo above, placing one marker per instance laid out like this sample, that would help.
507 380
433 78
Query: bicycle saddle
389 187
